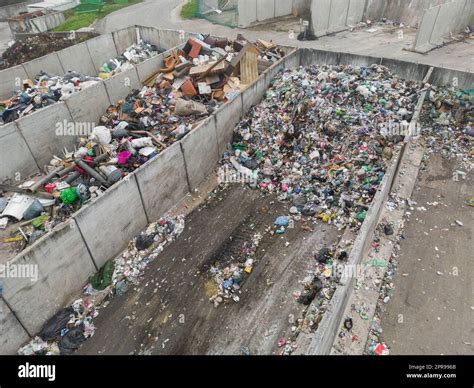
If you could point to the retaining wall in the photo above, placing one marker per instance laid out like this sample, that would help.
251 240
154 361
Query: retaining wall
63 265
7 11
330 16
251 11
101 229
439 22
37 24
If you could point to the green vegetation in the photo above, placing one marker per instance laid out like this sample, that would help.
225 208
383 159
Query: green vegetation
189 9
75 22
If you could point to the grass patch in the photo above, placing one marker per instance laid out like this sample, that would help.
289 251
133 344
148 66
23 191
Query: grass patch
189 9
75 22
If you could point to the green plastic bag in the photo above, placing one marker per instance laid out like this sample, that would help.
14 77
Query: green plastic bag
103 278
69 195
38 222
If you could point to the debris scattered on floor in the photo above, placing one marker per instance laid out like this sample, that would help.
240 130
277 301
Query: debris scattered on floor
230 278
71 326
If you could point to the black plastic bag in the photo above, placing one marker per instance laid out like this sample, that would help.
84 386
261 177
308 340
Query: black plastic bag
53 327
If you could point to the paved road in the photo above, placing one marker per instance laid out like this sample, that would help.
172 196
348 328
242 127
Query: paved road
432 309
384 42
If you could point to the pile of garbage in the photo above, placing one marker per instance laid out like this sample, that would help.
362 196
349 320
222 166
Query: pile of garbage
130 133
214 69
319 138
228 279
193 84
70 327
44 90
447 122
33 47
133 55
99 161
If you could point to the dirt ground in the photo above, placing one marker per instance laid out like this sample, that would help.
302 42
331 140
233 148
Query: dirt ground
169 311
432 309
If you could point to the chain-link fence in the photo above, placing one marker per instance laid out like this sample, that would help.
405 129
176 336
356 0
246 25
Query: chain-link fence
219 11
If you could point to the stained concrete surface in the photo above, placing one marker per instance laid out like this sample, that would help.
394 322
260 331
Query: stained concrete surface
168 312
432 308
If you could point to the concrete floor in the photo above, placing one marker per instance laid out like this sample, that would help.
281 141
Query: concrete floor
432 308
169 311
383 42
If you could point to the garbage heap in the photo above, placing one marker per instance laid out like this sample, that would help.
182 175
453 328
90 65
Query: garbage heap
44 90
133 55
214 69
36 46
447 122
320 138
99 161
134 131
70 327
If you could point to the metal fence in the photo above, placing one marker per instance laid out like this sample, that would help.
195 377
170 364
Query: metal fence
219 11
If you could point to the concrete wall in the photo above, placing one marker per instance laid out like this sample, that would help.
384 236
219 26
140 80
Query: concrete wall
439 22
227 117
38 24
124 38
7 11
283 8
330 16
42 132
13 334
77 58
301 7
247 11
355 12
122 84
374 9
101 49
88 105
63 265
409 12
200 151
16 160
110 221
265 10
171 38
162 182
49 63
251 11
11 80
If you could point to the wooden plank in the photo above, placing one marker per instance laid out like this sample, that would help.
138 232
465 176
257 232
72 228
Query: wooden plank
249 67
